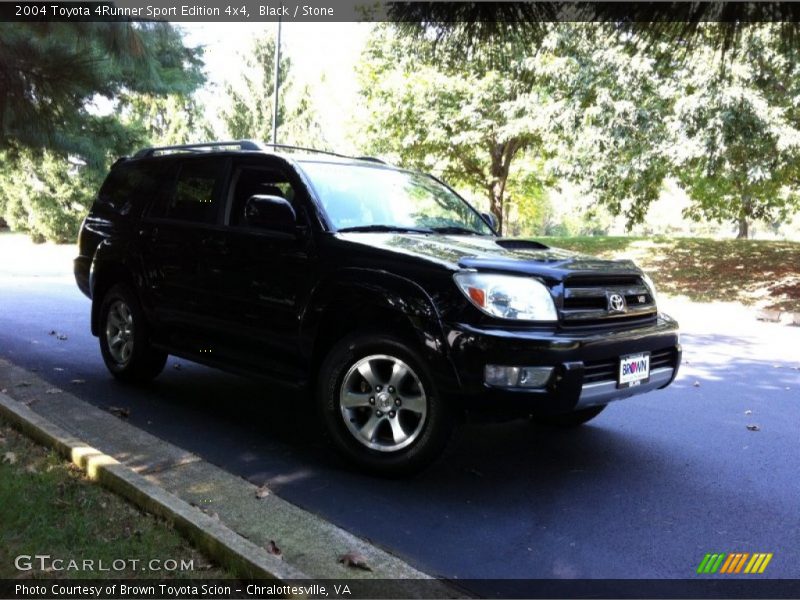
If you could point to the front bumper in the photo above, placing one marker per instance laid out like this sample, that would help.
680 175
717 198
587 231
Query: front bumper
585 364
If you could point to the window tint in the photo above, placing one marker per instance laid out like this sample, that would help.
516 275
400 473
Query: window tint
252 181
364 196
127 185
196 194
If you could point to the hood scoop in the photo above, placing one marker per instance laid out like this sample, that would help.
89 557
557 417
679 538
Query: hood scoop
515 244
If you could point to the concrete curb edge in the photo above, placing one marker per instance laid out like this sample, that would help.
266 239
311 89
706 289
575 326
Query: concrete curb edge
228 548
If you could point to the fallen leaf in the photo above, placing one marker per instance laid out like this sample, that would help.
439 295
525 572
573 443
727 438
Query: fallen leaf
53 391
77 381
262 492
273 549
31 469
748 412
753 428
123 413
10 458
696 384
354 560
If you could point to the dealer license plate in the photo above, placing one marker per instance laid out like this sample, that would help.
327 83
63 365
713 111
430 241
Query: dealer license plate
634 369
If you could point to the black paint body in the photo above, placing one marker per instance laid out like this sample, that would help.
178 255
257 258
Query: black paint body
271 303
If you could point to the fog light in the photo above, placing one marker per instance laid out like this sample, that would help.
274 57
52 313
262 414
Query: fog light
516 377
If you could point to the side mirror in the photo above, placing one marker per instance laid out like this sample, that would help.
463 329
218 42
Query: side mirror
270 212
490 219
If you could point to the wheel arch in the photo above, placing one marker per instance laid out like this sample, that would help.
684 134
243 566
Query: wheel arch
353 300
109 267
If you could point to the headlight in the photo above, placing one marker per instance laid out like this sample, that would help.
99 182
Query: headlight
652 286
508 296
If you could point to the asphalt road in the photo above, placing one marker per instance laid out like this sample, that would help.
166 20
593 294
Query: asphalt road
644 491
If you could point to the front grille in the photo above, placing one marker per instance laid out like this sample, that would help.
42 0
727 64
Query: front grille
600 370
586 300
606 369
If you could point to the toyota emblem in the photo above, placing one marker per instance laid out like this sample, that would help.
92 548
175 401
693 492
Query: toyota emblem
616 303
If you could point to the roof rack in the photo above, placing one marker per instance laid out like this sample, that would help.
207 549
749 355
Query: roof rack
243 145
328 152
240 144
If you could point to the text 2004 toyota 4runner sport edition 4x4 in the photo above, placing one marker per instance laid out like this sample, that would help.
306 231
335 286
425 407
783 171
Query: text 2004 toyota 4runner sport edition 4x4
379 290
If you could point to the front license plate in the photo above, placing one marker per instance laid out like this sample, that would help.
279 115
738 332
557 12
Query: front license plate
634 369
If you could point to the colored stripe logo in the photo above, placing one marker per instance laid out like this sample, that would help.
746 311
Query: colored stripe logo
735 562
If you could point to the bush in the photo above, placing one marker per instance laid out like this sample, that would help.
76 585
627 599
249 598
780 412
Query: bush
46 196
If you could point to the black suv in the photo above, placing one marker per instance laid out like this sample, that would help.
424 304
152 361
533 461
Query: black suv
379 290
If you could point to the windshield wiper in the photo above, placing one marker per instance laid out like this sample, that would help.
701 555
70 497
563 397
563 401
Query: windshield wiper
383 228
455 229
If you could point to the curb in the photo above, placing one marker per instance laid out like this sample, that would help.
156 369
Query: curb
243 557
779 316
224 514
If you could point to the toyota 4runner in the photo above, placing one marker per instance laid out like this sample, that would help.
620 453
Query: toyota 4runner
378 290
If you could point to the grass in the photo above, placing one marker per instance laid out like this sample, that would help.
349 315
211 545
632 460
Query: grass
48 507
762 273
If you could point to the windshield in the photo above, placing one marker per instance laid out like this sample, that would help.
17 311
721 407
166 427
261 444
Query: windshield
368 198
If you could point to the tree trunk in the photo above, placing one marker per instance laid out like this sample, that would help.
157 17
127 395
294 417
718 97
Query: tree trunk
744 229
501 154
496 201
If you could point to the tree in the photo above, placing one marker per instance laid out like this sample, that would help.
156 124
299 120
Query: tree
51 74
623 121
249 112
607 108
165 120
466 118
679 24
737 148
56 144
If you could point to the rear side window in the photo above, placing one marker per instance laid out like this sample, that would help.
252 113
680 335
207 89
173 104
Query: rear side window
195 197
128 185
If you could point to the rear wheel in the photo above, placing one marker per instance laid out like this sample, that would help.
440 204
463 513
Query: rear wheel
124 338
570 419
380 407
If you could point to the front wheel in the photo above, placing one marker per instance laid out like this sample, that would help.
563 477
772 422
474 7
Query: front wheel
124 338
380 407
570 419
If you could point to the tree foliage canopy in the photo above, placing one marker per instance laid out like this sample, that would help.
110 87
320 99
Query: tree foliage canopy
464 117
74 96
252 101
51 74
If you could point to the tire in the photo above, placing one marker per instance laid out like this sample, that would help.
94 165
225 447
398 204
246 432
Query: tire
379 406
125 339
570 419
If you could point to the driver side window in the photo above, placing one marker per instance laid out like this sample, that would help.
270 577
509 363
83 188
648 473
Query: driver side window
252 181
